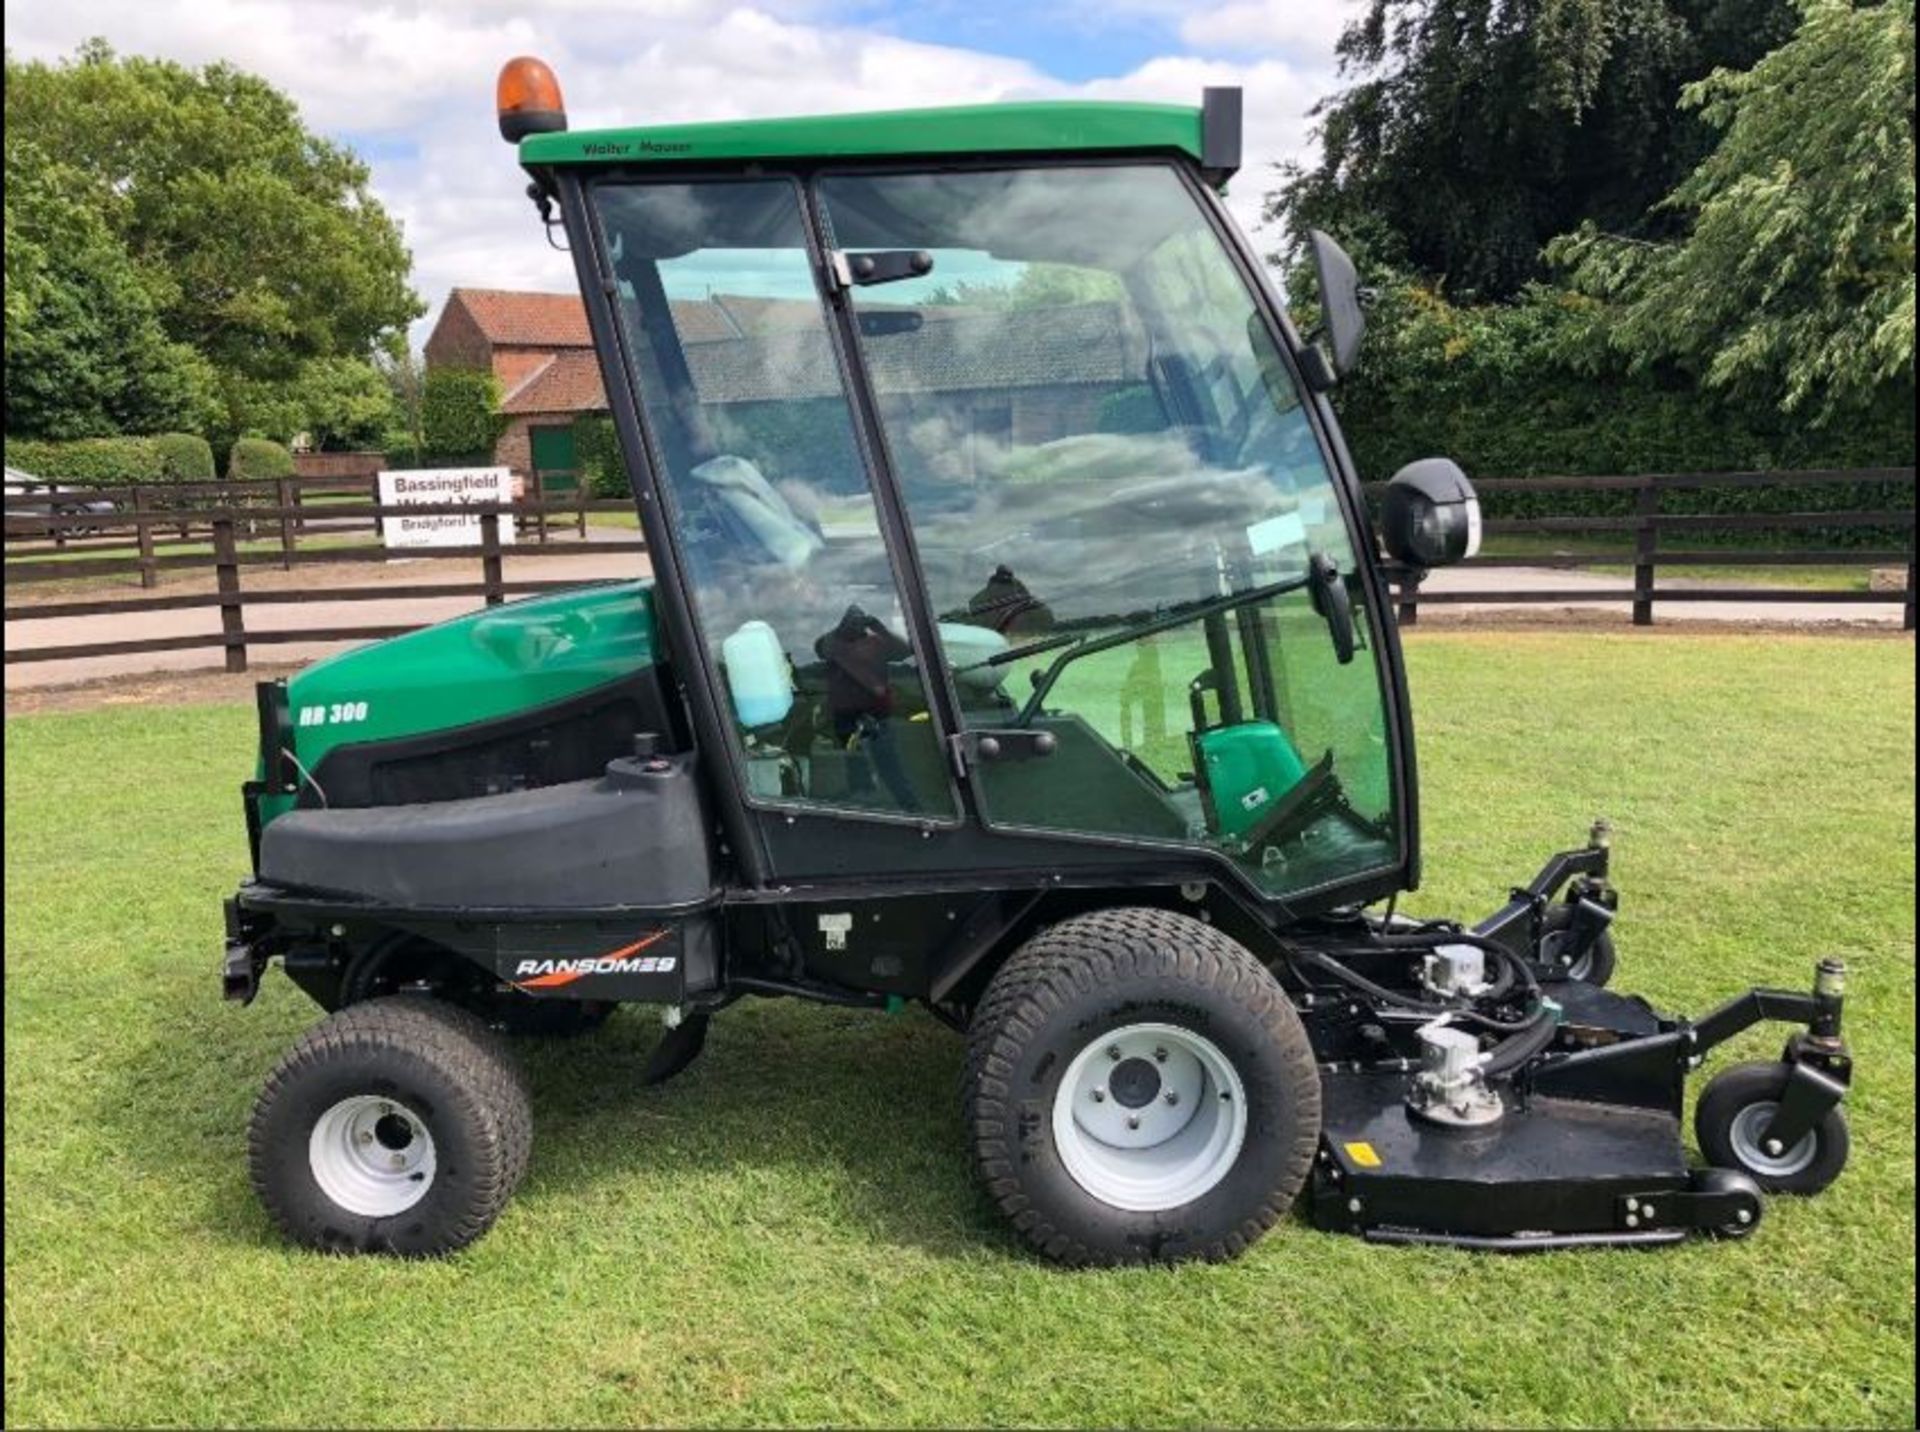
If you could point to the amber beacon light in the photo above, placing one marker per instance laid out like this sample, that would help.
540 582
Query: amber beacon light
528 99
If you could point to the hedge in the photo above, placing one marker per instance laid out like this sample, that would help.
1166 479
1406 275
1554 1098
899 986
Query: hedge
460 412
596 447
185 457
254 458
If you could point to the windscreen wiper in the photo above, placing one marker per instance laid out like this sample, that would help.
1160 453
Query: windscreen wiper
1180 616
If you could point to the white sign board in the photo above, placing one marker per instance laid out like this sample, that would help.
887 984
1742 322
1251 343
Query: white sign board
443 485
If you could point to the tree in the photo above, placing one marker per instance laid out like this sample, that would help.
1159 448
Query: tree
1794 282
460 413
1477 130
259 244
87 355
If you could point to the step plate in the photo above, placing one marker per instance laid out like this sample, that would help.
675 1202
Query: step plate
1552 1169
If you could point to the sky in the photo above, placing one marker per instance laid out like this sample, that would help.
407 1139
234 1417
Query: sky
410 85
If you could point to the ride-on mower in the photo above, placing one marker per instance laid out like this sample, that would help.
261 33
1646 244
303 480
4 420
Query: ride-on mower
1019 644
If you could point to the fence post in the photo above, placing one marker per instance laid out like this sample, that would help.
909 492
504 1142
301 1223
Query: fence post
1907 622
227 578
490 570
143 536
1410 599
283 494
1645 542
540 497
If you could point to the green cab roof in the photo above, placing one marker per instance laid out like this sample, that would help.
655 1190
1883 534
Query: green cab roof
1052 127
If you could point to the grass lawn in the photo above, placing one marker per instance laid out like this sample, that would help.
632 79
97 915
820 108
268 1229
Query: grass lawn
788 1233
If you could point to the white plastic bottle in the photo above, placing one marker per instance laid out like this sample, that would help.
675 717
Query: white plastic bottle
757 674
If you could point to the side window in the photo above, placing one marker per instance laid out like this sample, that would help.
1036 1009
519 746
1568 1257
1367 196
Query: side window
772 510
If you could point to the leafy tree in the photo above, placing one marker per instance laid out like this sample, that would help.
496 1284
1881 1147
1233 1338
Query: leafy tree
1476 130
1795 281
405 374
258 243
87 355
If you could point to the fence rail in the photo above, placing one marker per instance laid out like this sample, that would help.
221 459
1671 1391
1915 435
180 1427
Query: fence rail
224 525
46 543
1646 523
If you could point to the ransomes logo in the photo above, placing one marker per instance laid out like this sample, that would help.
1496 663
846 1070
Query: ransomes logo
627 960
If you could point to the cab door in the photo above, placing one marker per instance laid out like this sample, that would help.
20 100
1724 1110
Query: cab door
1116 500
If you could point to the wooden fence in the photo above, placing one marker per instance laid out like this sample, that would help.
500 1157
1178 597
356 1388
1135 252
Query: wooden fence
45 544
151 518
1647 524
253 507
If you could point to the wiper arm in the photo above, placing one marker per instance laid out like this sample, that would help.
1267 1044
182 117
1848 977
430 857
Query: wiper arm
1194 611
1020 653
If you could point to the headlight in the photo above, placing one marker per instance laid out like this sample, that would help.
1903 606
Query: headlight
1430 516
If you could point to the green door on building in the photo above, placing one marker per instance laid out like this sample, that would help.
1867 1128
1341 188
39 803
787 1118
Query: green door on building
554 459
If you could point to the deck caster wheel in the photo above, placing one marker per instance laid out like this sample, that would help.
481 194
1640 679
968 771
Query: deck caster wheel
1139 1089
398 1125
1730 1125
1595 967
1726 1183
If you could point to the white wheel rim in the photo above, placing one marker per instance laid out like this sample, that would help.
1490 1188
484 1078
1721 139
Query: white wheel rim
372 1156
1149 1117
1745 1135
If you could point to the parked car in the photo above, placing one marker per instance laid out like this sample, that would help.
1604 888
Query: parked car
27 497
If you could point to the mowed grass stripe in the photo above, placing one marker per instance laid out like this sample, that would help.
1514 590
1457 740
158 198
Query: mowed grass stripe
789 1233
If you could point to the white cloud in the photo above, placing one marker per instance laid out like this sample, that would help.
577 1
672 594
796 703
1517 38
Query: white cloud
1304 28
411 81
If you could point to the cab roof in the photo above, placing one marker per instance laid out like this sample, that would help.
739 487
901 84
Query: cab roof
1046 127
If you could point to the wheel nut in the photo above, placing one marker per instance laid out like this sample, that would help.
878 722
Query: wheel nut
1133 1121
1160 1056
1173 1097
1633 1205
1113 1051
1633 1220
1099 1096
1353 1205
398 1160
1745 1215
1775 1147
364 1137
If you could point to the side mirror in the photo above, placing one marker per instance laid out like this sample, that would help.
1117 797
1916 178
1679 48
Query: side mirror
1430 516
1327 590
1343 324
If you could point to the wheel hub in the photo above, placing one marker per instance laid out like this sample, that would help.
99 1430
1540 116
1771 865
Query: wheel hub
1135 1083
1149 1117
1766 1157
372 1155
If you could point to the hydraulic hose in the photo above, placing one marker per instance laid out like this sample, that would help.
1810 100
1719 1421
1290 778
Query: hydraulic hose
1328 965
1510 1053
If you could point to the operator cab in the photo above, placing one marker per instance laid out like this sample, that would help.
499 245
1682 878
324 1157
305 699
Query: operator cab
1000 505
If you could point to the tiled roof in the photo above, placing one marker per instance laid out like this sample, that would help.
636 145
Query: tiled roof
568 382
527 320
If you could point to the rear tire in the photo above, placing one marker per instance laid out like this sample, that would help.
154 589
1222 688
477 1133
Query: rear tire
398 1125
1733 1112
1139 1089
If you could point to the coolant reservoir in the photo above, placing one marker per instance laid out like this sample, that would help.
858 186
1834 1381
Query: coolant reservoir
757 674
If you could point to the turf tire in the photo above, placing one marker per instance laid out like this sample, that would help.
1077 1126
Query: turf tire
1739 1088
445 1067
1098 972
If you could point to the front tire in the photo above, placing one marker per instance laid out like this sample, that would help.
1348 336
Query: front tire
398 1125
1733 1114
1139 1089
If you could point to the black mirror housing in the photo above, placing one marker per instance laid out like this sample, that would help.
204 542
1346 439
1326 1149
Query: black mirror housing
1430 516
1343 321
